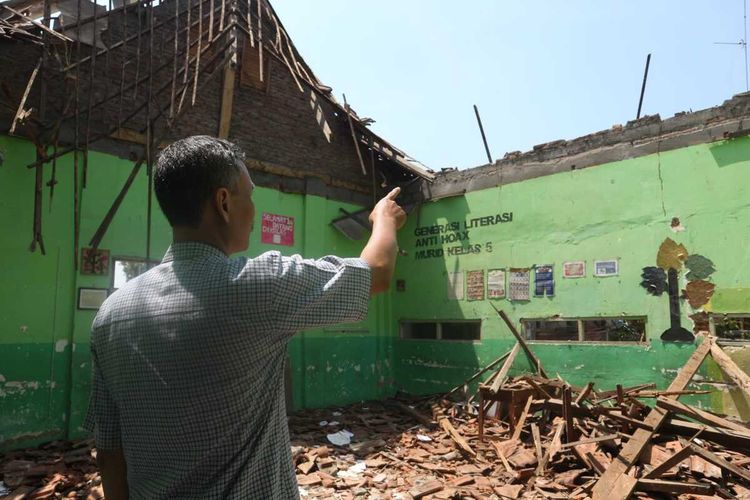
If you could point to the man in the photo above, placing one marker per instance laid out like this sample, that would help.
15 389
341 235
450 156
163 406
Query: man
187 397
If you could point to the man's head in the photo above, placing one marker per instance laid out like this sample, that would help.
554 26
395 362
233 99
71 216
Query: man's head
203 187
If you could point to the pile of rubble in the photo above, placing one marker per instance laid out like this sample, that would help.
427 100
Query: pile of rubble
55 470
531 436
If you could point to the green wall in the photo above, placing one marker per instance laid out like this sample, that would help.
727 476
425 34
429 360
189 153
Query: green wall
621 210
44 339
618 211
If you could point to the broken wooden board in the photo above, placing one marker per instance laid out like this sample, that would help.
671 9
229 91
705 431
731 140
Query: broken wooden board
615 483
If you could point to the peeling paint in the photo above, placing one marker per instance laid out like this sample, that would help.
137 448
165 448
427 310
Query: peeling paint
578 367
60 345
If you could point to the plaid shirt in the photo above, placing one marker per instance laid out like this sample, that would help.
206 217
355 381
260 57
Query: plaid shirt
189 366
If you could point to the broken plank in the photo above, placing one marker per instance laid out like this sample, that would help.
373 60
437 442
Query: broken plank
584 394
717 460
730 368
699 415
532 357
729 438
670 462
501 455
457 438
479 373
519 424
502 374
538 448
608 437
673 487
615 483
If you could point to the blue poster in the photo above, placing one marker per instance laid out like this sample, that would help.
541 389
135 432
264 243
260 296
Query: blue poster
544 283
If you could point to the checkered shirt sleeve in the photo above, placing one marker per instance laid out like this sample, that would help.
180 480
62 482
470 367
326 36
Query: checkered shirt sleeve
103 417
313 293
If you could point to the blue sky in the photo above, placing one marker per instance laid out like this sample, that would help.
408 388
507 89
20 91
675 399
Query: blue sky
538 70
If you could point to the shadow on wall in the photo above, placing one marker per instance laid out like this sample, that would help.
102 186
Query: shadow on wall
438 342
728 153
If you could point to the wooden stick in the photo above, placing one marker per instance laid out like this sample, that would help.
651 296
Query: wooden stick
608 437
730 368
478 374
615 483
538 448
584 394
535 361
673 487
519 424
698 414
502 374
717 460
25 96
457 438
354 136
38 24
670 462
501 455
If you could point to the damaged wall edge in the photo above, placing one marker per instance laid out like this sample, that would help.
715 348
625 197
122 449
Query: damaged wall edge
649 135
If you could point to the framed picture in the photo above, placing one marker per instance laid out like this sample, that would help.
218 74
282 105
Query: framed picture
544 282
575 269
91 298
94 261
604 268
518 284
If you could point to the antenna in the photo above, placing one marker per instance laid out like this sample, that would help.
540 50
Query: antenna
742 43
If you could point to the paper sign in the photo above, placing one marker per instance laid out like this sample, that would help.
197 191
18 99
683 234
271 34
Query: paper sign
518 284
575 269
277 229
475 285
455 286
495 284
606 268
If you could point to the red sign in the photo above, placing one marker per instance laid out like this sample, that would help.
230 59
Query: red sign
277 229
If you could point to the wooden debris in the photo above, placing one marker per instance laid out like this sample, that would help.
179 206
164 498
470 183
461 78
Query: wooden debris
397 451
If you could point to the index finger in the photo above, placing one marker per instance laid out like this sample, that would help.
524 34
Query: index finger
394 193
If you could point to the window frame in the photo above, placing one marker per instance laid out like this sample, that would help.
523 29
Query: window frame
712 327
150 264
581 331
439 329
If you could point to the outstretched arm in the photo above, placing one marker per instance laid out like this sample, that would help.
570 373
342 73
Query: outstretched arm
386 217
114 473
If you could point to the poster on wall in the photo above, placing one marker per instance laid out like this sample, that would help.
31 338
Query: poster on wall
544 283
475 285
576 269
277 229
495 284
455 286
604 268
94 261
518 284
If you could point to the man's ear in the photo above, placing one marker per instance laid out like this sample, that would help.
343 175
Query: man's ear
222 199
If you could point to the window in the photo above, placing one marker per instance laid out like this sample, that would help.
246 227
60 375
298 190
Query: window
441 330
586 329
731 326
125 269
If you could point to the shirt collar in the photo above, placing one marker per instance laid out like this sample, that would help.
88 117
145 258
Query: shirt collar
187 250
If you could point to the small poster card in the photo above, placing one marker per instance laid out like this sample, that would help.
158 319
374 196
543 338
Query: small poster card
576 269
518 284
456 286
544 283
604 268
495 284
475 285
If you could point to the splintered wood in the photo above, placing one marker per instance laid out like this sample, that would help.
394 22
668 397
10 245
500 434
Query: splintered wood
547 439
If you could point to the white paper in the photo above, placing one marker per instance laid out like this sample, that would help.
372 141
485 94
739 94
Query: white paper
495 284
340 438
423 438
